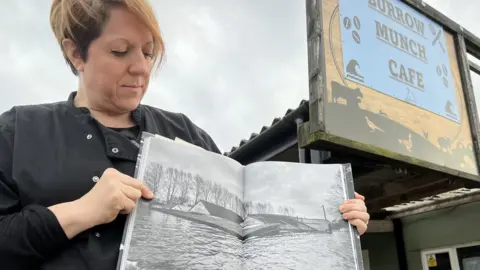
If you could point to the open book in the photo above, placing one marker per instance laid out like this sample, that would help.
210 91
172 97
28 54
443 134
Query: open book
211 212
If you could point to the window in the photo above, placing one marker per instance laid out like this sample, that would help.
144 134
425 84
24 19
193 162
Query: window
464 257
469 258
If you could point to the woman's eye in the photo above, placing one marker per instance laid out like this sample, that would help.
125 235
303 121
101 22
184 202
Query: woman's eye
119 53
149 55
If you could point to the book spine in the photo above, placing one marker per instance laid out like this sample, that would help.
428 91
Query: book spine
139 172
354 234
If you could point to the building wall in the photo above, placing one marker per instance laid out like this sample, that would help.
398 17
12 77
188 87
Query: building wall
438 229
382 251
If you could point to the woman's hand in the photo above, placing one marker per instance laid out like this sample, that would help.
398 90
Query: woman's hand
115 193
355 212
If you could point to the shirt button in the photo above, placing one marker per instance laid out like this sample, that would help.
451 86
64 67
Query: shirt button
95 179
89 136
97 234
115 150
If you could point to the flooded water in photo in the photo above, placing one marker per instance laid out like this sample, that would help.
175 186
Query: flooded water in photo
191 245
185 245
300 251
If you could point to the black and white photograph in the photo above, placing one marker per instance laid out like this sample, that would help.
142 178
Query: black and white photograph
293 218
194 220
210 212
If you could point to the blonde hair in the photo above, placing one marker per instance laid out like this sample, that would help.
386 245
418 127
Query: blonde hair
83 21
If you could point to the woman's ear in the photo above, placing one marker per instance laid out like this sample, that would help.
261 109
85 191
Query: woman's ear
72 53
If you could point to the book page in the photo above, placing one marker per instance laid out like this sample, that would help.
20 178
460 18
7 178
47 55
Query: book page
293 219
194 220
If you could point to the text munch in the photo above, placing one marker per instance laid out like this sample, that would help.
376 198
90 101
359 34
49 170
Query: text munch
399 41
396 13
408 76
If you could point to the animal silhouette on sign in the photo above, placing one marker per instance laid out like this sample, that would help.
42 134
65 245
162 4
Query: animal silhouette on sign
407 143
449 107
353 97
444 144
425 134
353 70
372 126
382 113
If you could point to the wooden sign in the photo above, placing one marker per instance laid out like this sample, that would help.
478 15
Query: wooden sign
392 81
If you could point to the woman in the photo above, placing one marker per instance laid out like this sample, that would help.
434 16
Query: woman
66 168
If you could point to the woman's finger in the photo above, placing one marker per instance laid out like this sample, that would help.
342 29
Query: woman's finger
131 192
360 197
353 207
359 225
128 206
365 217
129 181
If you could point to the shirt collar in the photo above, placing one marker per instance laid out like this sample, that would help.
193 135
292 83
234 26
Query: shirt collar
137 114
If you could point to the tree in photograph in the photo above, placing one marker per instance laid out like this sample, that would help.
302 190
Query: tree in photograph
285 210
217 193
184 186
226 198
259 208
248 208
207 190
172 176
153 177
291 211
334 198
240 207
198 188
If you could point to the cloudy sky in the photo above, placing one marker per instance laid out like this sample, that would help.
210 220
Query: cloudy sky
195 160
295 185
231 66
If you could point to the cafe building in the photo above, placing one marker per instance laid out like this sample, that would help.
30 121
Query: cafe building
406 120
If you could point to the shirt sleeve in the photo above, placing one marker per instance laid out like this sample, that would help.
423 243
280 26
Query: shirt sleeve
28 234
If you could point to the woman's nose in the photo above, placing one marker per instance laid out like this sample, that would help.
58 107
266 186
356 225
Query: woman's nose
140 64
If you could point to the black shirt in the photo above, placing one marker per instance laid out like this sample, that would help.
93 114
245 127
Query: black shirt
54 153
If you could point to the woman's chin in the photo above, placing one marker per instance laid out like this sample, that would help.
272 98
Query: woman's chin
129 104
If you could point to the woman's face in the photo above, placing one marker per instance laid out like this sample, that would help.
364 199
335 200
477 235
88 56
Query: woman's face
116 73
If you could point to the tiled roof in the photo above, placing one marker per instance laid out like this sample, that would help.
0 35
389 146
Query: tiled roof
432 200
301 109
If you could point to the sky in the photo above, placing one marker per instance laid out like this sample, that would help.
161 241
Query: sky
231 66
211 167
295 185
